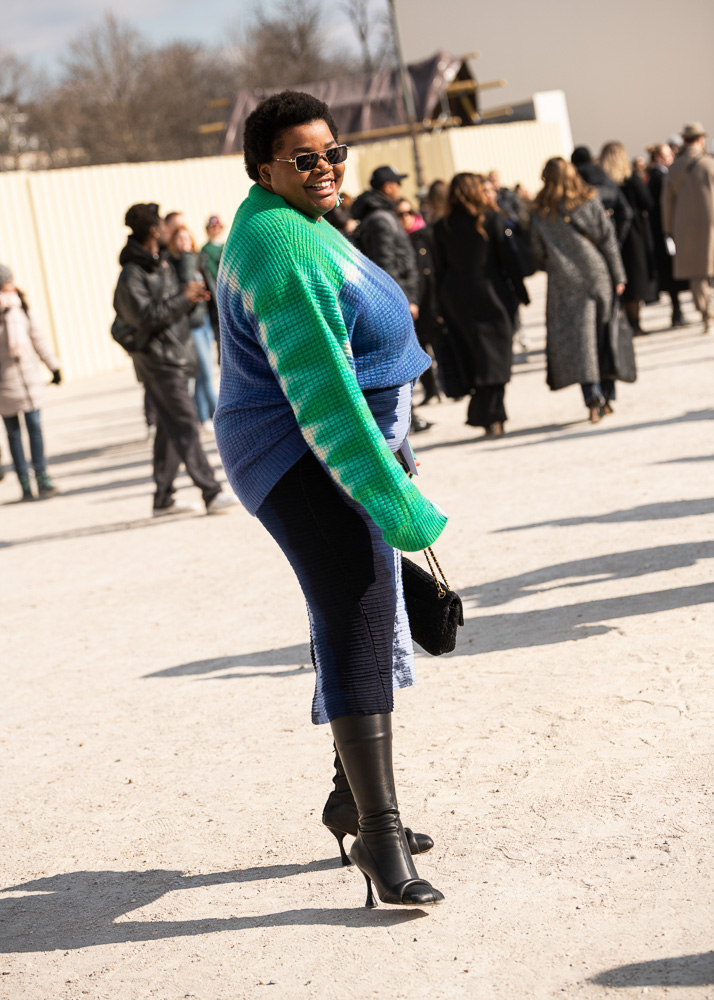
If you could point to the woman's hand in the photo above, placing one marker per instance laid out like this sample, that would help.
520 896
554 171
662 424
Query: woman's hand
196 291
619 289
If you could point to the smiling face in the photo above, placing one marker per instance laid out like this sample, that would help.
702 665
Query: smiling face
313 193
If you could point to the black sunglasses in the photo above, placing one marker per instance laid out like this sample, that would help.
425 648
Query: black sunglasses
305 162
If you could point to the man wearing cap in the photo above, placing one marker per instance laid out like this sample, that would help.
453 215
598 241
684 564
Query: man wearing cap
380 235
688 216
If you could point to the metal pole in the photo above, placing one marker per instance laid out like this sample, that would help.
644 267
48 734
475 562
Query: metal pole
407 95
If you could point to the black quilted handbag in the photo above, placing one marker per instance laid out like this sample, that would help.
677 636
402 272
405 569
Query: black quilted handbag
434 611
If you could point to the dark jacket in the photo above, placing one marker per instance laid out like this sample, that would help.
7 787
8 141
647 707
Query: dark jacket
471 273
638 246
149 303
612 198
381 237
663 259
430 326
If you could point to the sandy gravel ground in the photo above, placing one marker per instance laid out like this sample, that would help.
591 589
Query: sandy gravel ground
162 784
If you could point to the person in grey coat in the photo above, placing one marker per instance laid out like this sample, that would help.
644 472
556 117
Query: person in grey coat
575 244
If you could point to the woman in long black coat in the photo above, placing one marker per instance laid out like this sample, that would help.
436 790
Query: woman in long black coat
661 157
476 271
638 247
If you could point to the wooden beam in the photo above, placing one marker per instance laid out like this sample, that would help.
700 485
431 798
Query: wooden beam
212 127
395 130
470 86
503 112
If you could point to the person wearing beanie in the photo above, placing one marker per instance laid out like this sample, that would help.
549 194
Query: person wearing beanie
22 388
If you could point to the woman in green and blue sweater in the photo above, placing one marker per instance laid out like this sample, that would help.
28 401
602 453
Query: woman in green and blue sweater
319 357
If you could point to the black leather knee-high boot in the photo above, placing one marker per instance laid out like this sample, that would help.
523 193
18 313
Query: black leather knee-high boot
340 816
380 851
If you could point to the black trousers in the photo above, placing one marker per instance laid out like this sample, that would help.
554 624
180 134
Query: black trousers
348 576
486 406
177 441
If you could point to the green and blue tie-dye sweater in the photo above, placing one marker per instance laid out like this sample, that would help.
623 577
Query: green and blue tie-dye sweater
307 323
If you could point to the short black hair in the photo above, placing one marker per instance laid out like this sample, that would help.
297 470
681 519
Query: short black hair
140 218
274 115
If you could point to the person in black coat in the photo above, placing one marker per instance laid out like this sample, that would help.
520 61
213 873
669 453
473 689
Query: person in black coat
152 324
429 324
638 247
473 266
661 156
616 205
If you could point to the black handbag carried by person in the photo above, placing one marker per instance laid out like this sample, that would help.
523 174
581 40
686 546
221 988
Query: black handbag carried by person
435 612
617 353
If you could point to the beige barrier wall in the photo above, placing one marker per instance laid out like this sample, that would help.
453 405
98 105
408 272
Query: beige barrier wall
62 230
518 151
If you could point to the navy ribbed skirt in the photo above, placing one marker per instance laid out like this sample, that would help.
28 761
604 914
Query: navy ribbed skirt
352 583
352 580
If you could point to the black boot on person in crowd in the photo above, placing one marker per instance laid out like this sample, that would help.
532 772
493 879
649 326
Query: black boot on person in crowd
380 850
340 816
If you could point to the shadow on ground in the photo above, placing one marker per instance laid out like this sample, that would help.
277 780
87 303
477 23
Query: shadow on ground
582 572
684 970
486 633
99 529
665 511
84 909
287 656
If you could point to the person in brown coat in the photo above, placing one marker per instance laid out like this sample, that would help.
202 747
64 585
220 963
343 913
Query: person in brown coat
22 388
688 216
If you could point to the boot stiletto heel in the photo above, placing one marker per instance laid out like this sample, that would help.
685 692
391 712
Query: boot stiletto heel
340 837
380 850
371 904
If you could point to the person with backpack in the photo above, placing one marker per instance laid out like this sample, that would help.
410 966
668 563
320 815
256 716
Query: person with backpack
152 325
22 388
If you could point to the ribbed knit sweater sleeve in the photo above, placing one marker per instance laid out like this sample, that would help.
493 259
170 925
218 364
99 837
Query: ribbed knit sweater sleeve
302 330
294 304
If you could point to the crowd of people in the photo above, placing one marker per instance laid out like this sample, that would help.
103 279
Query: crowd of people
609 233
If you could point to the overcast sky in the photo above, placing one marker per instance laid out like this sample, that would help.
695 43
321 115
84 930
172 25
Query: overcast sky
634 70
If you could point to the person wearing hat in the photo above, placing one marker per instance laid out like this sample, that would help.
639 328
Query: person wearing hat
381 237
22 387
688 216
